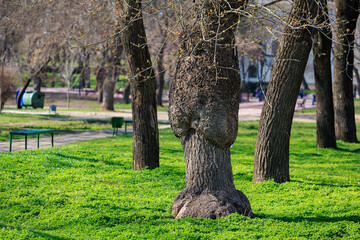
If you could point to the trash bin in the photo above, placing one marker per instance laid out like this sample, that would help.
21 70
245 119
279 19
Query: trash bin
33 99
116 122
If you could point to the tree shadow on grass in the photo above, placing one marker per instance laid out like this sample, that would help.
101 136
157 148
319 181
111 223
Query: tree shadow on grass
323 184
242 176
37 233
92 160
348 150
317 218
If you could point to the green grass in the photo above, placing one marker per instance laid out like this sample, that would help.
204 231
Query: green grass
312 111
89 191
12 122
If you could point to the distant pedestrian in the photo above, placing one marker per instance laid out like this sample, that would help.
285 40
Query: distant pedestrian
314 99
355 90
301 93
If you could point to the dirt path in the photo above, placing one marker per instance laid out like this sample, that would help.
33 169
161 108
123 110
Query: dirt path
248 112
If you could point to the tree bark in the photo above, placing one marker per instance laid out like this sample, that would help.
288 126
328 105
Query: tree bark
161 75
272 146
346 13
108 88
203 112
323 82
37 82
1 86
18 99
112 73
100 77
357 76
304 83
127 93
143 90
86 70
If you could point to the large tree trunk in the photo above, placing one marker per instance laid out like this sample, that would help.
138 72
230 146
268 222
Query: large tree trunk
346 13
323 82
143 90
203 113
272 146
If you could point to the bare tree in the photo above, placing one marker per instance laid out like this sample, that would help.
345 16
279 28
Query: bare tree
346 12
323 80
272 146
142 87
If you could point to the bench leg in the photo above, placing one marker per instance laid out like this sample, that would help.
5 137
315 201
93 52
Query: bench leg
125 127
25 142
38 141
52 139
10 142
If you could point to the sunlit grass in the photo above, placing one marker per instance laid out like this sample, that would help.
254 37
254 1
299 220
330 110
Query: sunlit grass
89 191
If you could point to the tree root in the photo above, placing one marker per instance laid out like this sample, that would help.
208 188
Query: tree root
211 204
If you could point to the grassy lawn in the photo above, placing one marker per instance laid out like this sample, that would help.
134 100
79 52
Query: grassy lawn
89 191
12 122
313 110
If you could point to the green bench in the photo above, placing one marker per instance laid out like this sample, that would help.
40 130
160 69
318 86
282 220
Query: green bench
117 123
32 132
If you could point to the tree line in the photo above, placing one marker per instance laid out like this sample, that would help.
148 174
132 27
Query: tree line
205 87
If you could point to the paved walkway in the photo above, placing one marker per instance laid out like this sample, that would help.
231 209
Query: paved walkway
248 112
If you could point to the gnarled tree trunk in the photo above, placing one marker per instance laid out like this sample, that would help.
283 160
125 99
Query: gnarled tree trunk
143 90
203 113
323 82
346 13
272 146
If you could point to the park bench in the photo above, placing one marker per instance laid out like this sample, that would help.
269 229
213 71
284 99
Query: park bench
117 123
302 104
32 132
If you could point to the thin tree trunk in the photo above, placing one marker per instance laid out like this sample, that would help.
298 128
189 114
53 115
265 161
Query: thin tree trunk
304 83
109 88
19 97
53 76
161 75
357 76
203 113
68 96
143 90
37 82
1 85
100 76
272 146
346 13
323 82
87 70
127 93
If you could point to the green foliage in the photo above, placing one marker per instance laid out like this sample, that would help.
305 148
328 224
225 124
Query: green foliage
89 191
